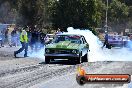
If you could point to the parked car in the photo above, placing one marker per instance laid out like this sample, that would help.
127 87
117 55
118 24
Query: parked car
115 40
67 46
48 38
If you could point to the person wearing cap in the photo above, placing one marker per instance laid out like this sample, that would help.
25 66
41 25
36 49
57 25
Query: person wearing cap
24 42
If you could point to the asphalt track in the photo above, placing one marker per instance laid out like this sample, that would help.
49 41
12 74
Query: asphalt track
32 72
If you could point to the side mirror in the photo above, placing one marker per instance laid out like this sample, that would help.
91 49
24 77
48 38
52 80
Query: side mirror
87 45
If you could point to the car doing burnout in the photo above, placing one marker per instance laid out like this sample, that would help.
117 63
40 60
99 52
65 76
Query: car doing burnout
67 46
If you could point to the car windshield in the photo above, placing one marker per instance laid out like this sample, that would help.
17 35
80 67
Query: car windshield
72 38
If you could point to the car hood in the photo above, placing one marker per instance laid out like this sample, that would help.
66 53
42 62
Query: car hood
64 45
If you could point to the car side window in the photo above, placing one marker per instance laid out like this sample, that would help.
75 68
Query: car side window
81 41
84 41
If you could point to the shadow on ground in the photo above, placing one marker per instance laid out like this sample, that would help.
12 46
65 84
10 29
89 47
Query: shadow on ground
62 62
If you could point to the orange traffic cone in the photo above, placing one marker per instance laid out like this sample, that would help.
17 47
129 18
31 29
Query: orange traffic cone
81 71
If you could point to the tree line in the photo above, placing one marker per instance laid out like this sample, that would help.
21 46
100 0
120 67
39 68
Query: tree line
64 13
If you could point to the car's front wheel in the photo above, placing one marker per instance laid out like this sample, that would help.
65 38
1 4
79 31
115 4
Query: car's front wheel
85 58
79 59
47 60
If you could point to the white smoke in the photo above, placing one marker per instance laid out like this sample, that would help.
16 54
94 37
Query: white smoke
37 52
97 53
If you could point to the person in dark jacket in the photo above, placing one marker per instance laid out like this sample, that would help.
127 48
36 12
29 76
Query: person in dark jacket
1 38
14 37
34 38
106 40
42 36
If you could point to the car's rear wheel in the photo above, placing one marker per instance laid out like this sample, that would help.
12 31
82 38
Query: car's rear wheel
47 60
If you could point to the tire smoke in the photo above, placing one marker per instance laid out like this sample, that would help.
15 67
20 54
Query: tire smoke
97 53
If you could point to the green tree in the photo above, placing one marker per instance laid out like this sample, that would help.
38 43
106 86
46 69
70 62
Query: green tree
127 2
8 12
24 12
100 13
32 12
75 13
27 10
117 15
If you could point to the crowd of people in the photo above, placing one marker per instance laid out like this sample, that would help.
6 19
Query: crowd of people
12 38
35 38
9 38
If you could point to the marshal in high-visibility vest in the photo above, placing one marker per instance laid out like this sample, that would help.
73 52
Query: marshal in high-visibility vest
23 36
24 42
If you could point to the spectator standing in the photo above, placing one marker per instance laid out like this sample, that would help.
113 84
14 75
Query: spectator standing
42 35
6 35
14 37
34 38
1 39
29 33
9 38
106 40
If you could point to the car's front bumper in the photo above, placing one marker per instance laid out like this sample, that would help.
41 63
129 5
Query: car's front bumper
61 56
116 44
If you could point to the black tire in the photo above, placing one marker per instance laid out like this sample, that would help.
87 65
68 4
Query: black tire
79 59
72 61
85 58
47 60
80 80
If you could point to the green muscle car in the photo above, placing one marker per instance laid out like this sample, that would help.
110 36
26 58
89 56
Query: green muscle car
67 46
